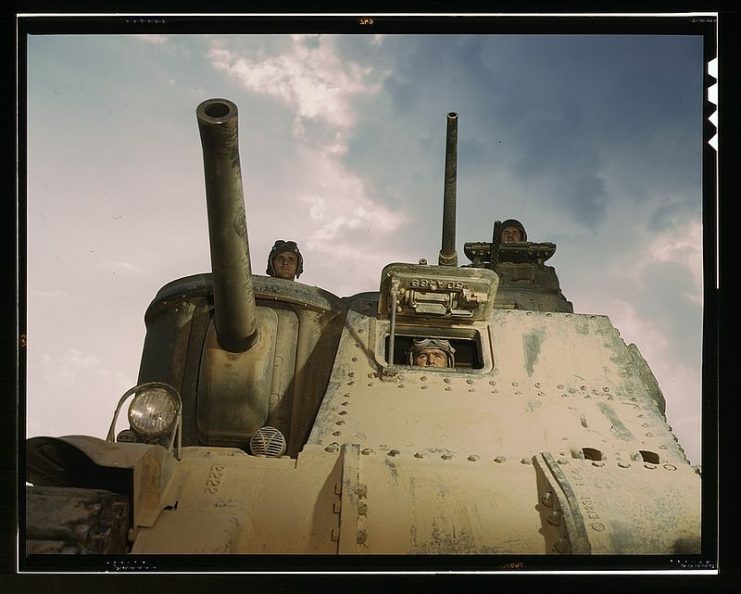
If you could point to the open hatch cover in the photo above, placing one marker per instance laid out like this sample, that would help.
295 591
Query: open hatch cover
422 291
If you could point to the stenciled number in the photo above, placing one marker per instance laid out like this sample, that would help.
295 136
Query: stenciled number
213 482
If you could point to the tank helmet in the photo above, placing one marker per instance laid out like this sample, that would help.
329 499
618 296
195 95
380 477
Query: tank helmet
281 246
517 224
422 344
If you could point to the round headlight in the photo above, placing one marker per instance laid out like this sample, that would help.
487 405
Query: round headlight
153 411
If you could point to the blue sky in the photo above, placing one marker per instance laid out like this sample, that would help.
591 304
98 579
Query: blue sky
594 142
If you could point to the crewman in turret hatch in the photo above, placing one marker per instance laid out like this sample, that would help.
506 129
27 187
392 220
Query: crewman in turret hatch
431 352
285 260
512 231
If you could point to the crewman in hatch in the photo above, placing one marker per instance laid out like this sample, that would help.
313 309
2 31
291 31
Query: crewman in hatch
285 260
431 352
512 231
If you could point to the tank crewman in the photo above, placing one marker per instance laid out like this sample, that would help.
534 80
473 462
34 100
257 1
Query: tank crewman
431 352
512 231
285 260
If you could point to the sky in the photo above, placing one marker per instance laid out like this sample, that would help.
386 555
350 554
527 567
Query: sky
593 142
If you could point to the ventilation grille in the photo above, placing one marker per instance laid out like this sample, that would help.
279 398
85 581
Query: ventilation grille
268 441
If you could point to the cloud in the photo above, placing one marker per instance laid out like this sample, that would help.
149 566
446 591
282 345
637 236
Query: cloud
154 39
310 78
681 245
341 209
125 266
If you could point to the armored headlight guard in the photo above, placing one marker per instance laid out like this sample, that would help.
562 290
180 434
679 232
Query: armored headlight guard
154 412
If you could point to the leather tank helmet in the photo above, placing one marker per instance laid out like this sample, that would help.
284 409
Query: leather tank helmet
281 246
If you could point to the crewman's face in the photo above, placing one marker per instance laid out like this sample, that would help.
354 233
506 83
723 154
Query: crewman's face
431 358
510 234
285 265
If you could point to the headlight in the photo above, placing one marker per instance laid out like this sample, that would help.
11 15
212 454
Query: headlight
153 411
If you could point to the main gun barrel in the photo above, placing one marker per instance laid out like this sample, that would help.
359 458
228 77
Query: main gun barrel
448 255
234 296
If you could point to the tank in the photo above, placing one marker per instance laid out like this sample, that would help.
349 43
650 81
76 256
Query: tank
273 417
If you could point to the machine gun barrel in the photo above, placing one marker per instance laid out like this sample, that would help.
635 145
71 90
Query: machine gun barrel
448 255
234 296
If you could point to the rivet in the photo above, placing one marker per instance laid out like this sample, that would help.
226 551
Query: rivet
571 390
622 464
517 392
582 387
597 463
446 456
560 386
469 381
345 403
547 499
448 389
473 457
347 395
400 386
331 448
337 433
605 389
649 466
354 359
670 466
492 383
350 383
554 518
423 387
537 384
598 526
423 378
541 393
564 395
630 390
340 422
514 384
549 315
419 455
526 461
500 459
393 452
562 461
528 313
446 380
644 424
351 374
342 412
371 375
649 434
366 451
471 389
